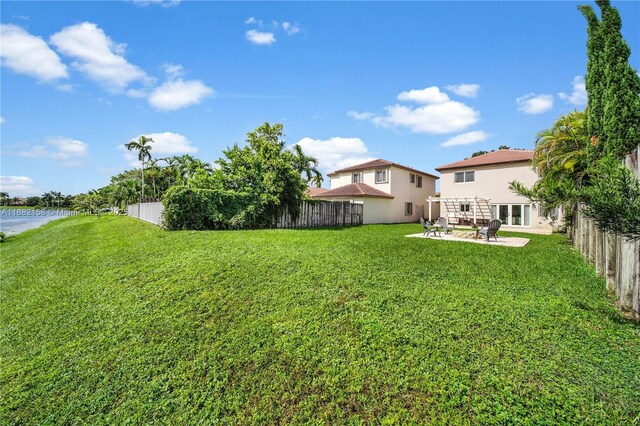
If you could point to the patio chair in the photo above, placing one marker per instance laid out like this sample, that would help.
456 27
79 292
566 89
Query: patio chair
490 231
428 227
444 224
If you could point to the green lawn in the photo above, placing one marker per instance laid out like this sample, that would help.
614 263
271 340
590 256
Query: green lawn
113 320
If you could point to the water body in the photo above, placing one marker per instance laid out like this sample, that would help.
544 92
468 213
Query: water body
14 221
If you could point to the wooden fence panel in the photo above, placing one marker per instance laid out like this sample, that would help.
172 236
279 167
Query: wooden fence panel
323 214
615 257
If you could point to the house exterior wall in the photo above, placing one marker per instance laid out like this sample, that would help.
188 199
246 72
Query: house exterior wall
492 182
385 210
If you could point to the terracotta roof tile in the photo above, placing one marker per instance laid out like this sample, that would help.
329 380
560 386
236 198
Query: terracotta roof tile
353 190
496 157
380 163
315 191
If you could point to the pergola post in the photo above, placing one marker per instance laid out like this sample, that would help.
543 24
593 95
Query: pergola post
475 207
429 208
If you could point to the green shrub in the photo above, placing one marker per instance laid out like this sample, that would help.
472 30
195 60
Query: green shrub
201 209
3 237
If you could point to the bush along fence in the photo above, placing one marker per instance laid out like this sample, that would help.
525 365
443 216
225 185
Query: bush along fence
615 257
323 213
205 209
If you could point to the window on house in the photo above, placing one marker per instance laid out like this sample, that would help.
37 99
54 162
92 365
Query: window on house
419 182
460 177
381 176
465 207
408 209
412 178
355 178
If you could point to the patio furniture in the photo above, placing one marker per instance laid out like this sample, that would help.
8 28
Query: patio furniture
429 228
444 224
490 231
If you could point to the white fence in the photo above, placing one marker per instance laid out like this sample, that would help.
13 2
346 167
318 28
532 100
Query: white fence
149 212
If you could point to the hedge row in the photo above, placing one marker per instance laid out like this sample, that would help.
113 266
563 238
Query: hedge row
202 209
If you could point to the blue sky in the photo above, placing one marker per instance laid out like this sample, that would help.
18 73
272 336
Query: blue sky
419 83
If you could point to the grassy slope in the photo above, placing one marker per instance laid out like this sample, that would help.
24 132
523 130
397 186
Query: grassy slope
114 319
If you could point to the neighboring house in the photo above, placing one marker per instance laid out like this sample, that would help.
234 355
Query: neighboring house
482 183
390 192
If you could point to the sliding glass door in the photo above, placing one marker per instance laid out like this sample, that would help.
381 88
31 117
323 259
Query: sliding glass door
512 214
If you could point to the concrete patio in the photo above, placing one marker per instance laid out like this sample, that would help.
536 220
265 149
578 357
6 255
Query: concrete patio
469 237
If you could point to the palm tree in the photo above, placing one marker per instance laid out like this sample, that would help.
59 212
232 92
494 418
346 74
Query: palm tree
307 166
57 196
143 146
561 151
47 197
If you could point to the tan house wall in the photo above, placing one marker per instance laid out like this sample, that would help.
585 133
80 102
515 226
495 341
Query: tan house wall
492 182
385 210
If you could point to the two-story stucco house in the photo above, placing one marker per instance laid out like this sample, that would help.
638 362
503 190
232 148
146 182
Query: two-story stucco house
482 184
390 192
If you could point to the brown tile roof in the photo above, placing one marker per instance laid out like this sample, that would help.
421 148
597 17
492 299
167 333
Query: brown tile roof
380 163
353 190
495 157
315 191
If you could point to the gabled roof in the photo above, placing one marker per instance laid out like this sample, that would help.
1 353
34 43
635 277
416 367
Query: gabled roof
374 164
500 156
315 191
353 190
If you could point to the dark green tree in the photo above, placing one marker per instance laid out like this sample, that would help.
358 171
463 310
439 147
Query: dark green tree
265 169
594 80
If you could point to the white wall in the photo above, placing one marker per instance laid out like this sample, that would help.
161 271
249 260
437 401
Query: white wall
492 182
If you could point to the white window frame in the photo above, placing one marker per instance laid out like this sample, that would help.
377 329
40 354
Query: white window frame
495 214
464 176
386 176
359 178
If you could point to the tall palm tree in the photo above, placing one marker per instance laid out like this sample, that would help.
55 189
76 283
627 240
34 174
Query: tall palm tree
171 168
143 146
307 166
47 198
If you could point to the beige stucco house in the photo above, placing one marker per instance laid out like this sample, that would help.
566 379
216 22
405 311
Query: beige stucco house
482 184
390 192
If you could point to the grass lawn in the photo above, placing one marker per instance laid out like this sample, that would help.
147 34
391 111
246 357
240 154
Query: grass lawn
114 320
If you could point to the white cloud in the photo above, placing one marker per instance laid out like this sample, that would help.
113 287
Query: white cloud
173 70
18 186
260 38
438 115
290 28
163 3
176 94
430 95
579 94
68 152
466 90
436 119
466 138
336 153
98 56
164 143
253 21
360 115
534 104
30 55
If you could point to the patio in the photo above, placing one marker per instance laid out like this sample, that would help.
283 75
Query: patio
469 237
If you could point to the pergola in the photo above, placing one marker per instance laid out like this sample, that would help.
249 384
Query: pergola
453 204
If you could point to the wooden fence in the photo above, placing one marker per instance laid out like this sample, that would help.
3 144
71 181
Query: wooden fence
614 257
315 214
